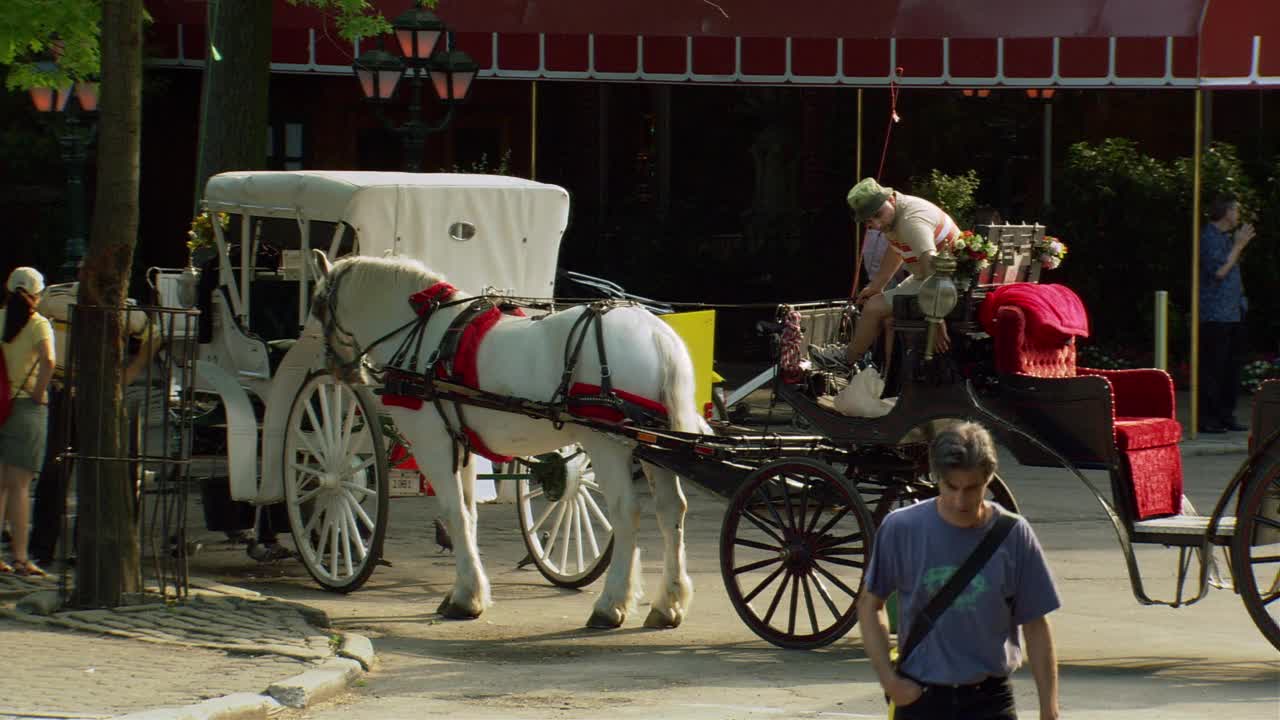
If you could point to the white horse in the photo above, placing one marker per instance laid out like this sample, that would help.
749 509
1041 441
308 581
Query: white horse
361 299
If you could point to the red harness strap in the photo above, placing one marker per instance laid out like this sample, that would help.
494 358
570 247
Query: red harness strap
464 358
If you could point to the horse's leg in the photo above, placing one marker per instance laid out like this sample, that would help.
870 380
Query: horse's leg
671 603
468 473
622 585
470 594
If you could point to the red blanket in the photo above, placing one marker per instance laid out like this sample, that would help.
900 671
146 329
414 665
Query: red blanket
1054 312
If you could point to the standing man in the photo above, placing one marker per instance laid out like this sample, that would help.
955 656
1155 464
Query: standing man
915 229
960 670
1222 312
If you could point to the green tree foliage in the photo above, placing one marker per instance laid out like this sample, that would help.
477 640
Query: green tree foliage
952 193
45 29
69 31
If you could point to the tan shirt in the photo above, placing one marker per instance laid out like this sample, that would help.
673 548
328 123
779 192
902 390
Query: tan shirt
22 354
919 227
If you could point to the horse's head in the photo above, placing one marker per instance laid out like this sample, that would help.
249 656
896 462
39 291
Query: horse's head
342 352
362 304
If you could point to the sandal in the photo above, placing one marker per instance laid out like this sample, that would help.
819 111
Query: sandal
5 567
28 569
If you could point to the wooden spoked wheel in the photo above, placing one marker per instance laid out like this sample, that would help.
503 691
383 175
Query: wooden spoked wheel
564 521
1255 549
794 545
335 482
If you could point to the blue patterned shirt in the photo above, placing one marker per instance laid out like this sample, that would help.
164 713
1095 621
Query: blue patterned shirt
1220 300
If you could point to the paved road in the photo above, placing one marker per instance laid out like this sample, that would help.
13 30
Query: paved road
529 657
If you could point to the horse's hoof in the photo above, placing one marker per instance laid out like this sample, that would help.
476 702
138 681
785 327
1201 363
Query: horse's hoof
659 620
604 621
452 611
444 606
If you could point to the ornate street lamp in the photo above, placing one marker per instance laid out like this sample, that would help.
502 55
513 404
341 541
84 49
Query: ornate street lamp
77 105
422 39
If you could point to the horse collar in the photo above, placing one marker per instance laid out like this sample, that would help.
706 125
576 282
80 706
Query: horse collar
425 302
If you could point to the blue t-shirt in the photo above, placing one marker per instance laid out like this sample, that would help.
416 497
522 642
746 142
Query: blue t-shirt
915 553
1220 300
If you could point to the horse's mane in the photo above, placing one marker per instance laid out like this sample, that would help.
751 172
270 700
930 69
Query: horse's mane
363 272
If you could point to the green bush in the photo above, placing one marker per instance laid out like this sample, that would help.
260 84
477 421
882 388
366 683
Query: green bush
952 193
1126 216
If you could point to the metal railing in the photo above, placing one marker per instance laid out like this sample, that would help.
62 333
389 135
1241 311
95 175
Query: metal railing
125 454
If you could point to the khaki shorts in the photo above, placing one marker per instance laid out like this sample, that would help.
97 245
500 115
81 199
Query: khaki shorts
910 286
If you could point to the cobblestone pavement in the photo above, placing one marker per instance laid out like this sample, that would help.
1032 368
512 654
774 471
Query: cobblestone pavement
84 675
99 663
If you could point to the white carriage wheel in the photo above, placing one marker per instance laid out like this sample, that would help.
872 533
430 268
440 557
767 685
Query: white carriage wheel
566 529
335 481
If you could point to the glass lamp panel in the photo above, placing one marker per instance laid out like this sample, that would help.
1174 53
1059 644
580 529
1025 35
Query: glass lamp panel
87 96
440 83
42 98
452 86
387 81
366 78
426 43
462 84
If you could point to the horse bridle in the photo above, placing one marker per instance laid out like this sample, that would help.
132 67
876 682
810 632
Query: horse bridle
332 326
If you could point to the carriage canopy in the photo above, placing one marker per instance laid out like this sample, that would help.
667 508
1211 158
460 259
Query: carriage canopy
480 230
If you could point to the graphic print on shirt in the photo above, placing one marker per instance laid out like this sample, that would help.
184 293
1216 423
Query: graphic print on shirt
936 577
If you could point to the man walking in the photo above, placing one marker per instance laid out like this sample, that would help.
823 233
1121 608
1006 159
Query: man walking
959 668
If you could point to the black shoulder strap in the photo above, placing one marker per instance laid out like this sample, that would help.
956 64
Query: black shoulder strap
939 603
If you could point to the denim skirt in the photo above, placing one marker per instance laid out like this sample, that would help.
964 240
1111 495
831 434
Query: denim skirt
22 437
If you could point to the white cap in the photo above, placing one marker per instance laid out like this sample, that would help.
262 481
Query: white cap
26 278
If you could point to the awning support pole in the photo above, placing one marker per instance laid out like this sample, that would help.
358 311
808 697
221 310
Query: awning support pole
1048 153
1193 420
533 130
857 169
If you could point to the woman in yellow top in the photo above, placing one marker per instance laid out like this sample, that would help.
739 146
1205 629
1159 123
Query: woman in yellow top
28 355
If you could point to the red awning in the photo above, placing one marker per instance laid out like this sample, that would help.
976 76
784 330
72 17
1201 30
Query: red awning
829 18
984 43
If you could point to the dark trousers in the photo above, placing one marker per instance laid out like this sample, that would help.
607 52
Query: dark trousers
1222 350
988 700
51 487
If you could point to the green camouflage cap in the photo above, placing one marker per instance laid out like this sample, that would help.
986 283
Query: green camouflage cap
866 198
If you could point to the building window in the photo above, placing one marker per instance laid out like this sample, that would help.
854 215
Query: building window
286 146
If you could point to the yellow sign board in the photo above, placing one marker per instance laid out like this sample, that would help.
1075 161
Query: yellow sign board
698 329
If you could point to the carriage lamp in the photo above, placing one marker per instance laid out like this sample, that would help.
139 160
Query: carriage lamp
76 107
938 297
424 42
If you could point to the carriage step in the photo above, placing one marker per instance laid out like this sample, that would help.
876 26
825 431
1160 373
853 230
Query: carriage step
1185 525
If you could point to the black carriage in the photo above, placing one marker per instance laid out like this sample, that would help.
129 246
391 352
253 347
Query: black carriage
803 509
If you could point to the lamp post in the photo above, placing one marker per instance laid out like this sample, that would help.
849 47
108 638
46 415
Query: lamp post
423 40
78 106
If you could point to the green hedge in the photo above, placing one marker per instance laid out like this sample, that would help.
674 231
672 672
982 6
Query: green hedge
1127 218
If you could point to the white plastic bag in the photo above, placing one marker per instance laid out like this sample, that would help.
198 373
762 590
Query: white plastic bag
862 396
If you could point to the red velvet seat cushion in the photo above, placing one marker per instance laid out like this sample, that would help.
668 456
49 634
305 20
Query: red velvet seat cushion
1156 475
1146 432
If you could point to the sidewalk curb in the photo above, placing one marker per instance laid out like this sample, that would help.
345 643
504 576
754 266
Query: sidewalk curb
299 691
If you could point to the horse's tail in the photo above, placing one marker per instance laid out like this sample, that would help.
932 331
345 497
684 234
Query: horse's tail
678 383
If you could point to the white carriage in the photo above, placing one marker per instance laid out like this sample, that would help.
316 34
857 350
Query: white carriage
263 355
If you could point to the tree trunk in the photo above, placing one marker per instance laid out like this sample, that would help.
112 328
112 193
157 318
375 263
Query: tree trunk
234 107
108 549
